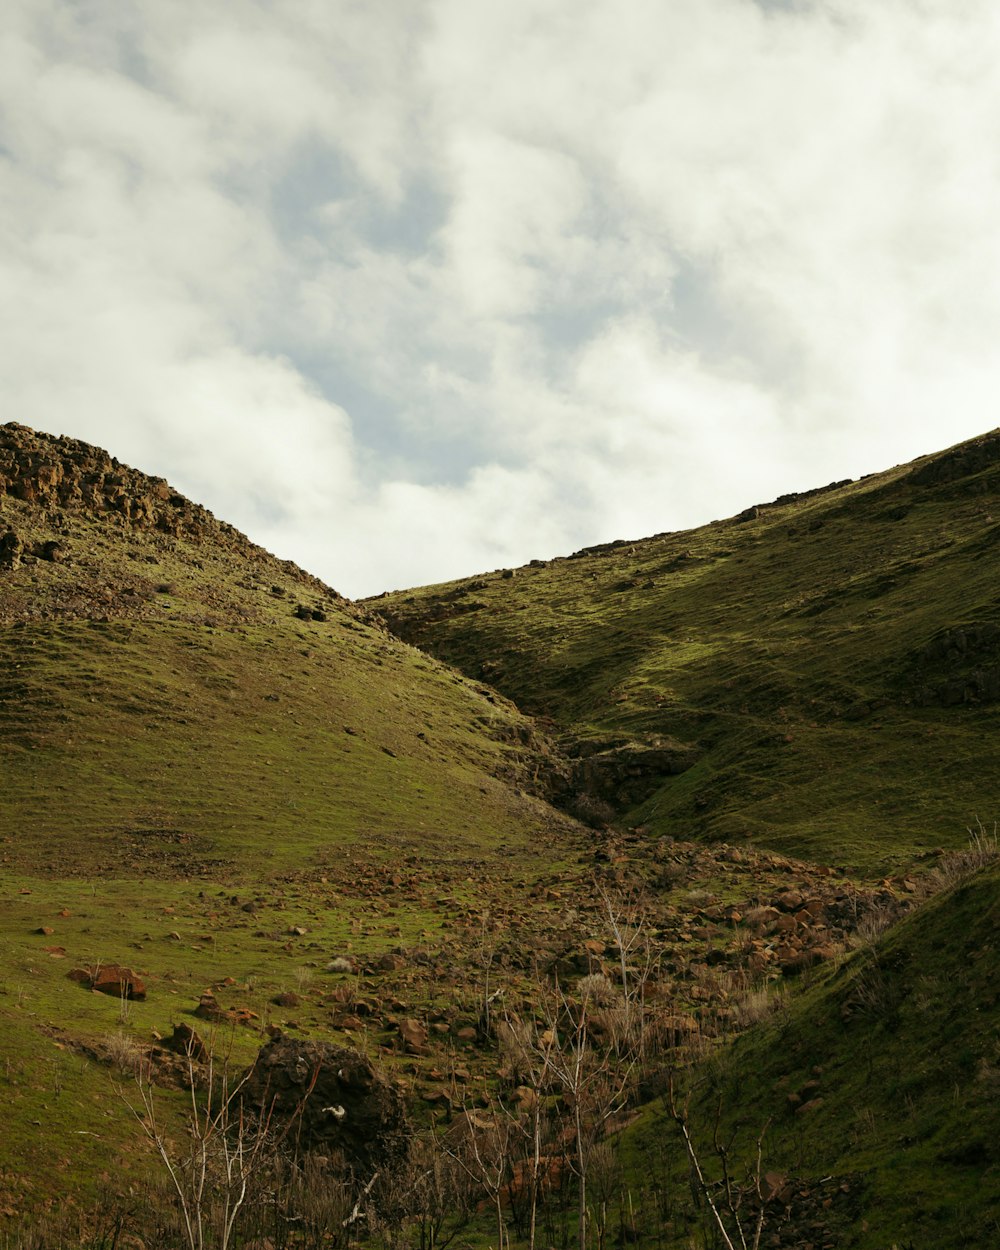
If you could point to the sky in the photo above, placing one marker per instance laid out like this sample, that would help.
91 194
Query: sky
409 290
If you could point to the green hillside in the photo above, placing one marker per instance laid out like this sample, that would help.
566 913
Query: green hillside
818 674
210 769
263 812
876 1089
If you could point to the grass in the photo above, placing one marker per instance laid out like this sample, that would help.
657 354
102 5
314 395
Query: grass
899 1041
204 785
828 662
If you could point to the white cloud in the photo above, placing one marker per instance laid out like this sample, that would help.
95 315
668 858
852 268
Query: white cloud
411 294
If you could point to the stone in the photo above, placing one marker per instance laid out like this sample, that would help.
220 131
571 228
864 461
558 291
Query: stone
332 1100
185 1041
11 549
413 1035
209 1008
53 551
110 979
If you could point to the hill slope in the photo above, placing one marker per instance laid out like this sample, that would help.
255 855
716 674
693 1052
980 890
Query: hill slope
215 775
167 684
816 674
878 1089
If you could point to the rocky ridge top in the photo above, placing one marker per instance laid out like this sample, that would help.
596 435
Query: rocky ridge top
62 501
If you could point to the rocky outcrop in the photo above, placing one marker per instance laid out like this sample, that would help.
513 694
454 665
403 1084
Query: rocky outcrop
625 774
65 473
338 1101
964 461
60 477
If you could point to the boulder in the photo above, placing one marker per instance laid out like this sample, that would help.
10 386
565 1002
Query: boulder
331 1099
110 979
413 1036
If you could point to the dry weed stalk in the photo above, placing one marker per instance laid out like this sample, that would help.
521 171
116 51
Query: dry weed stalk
229 1147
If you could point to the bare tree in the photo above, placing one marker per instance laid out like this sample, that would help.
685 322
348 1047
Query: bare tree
725 1198
481 1149
229 1147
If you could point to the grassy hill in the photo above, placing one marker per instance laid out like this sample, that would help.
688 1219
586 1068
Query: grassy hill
818 674
283 818
875 1088
211 768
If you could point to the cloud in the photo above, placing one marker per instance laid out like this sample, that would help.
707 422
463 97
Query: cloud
411 294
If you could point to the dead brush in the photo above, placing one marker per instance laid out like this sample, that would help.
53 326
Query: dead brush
124 1052
750 1002
982 849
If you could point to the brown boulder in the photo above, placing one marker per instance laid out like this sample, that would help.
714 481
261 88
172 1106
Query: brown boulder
110 979
413 1035
209 1008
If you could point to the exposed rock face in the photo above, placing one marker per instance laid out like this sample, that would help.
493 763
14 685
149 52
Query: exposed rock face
60 476
56 473
345 1105
964 461
626 774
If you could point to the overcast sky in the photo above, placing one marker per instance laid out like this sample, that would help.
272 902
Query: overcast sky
412 289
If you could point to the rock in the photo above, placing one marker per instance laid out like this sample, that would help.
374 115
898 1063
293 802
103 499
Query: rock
185 1041
53 551
333 1100
390 962
209 1008
413 1035
11 549
287 999
678 1028
110 979
775 1187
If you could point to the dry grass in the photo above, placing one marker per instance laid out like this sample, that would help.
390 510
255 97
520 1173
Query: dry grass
981 850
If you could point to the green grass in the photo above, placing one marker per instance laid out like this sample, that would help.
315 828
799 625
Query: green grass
901 1043
796 654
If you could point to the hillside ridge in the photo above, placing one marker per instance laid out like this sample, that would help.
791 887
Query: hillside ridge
720 679
50 482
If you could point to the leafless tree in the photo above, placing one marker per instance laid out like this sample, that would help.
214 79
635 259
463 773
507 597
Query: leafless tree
229 1146
725 1198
